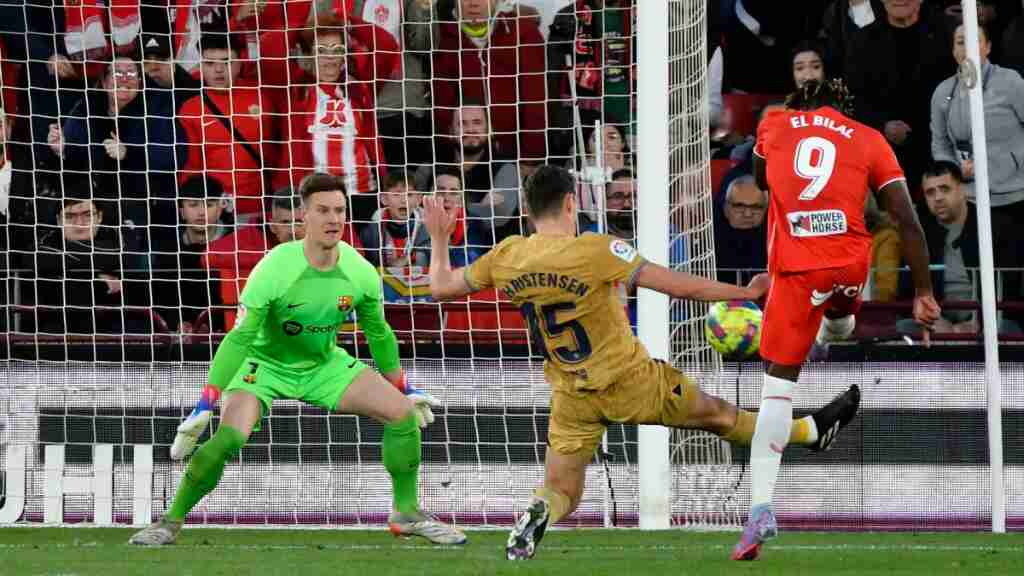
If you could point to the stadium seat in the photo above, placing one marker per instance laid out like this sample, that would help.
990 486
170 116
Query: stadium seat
719 168
481 316
744 109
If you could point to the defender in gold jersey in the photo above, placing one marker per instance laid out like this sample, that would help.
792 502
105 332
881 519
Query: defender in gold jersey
599 372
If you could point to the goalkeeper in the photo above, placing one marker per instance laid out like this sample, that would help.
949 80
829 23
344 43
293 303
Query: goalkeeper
566 287
284 345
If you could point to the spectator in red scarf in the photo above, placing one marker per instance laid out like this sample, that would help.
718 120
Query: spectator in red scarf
389 238
465 243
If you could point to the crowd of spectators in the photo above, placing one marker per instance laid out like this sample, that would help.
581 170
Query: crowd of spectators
149 149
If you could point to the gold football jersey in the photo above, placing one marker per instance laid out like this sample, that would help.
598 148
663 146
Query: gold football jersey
567 290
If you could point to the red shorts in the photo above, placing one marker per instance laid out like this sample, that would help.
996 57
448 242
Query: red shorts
796 303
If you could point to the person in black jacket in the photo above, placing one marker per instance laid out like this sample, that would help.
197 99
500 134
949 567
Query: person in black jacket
78 272
951 230
893 66
183 288
125 140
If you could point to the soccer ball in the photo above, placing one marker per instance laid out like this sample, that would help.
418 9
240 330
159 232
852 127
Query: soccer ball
733 328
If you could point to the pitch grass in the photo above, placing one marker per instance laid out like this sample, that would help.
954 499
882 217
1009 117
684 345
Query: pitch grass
104 551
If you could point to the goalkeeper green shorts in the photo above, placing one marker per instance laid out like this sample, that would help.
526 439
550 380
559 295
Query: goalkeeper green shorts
321 386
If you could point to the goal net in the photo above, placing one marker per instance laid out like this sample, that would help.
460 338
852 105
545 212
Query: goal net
705 483
148 154
152 153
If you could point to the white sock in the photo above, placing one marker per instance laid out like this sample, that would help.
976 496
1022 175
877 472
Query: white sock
771 435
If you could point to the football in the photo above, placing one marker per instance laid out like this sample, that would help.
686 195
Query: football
733 328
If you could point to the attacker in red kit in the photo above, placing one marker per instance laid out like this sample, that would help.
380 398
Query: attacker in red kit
818 166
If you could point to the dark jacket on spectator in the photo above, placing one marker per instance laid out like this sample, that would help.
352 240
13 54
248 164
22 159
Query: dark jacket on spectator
71 296
145 126
1013 46
182 287
508 74
1005 253
185 88
892 74
44 102
743 250
837 30
382 235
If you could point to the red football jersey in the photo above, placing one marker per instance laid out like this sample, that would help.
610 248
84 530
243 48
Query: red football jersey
820 166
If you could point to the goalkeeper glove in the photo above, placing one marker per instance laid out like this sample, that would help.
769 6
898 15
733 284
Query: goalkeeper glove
192 428
421 399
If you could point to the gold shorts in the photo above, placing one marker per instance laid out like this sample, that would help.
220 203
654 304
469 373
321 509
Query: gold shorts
656 393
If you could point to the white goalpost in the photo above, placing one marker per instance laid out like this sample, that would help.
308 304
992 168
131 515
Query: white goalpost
652 241
970 71
685 477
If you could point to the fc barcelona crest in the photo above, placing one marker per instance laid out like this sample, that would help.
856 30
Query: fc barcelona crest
344 303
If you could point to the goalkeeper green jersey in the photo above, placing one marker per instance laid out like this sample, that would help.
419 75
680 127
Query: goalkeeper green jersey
290 312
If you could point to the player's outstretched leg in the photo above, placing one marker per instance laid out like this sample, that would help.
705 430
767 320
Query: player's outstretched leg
201 477
833 417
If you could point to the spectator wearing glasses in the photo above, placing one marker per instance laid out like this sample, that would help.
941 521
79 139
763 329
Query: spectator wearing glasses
332 87
78 268
741 244
126 143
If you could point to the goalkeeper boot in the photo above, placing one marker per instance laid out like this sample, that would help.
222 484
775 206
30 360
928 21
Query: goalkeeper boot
760 527
837 330
159 533
426 526
529 529
833 417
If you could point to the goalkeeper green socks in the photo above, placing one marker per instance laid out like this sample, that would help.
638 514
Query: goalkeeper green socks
204 470
401 455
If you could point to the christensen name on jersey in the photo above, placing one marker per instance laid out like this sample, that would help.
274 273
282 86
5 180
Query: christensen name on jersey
546 280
